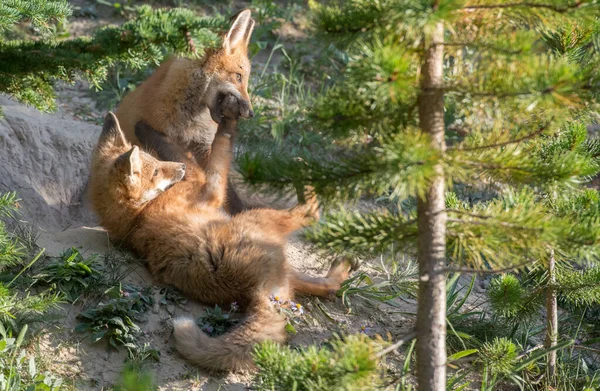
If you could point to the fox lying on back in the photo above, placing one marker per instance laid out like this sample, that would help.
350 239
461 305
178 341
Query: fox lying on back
191 244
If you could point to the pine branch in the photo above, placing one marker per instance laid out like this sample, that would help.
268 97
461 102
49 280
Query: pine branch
40 12
29 69
466 270
9 202
535 161
579 286
490 47
597 351
496 94
529 5
364 232
500 223
338 173
512 227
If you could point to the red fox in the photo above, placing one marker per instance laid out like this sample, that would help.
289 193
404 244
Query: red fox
178 101
190 243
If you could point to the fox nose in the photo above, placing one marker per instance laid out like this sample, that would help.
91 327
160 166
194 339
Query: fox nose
251 113
183 166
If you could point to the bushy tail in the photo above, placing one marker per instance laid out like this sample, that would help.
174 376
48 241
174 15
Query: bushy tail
231 351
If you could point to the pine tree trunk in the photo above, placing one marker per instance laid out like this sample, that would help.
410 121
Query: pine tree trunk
552 321
431 312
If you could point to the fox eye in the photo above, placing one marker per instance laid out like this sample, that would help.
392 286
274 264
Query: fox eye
156 172
238 77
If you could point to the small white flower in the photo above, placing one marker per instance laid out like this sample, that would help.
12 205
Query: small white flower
276 300
297 308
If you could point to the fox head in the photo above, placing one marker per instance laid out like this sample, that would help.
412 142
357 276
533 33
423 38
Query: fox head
229 66
129 174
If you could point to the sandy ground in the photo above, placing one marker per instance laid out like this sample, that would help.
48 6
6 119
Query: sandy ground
93 367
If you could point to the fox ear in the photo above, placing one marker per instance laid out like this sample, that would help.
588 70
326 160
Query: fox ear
238 36
111 131
134 161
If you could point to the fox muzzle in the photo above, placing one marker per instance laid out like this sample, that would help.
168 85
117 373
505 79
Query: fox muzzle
245 108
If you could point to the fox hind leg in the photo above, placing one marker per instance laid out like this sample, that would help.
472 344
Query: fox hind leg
324 286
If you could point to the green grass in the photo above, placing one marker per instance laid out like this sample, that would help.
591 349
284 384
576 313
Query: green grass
395 278
132 379
20 308
19 369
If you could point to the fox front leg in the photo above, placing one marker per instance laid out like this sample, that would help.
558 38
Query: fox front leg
153 140
221 154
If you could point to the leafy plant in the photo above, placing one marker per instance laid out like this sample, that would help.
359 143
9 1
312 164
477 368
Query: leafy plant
11 249
18 310
499 356
71 273
119 8
511 301
115 320
141 355
120 80
30 69
216 322
268 17
171 296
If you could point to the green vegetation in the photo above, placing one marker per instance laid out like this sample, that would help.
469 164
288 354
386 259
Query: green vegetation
114 320
433 101
348 365
499 142
20 372
216 322
18 368
71 274
30 68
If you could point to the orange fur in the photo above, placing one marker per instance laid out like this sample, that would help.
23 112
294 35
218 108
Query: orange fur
178 99
191 244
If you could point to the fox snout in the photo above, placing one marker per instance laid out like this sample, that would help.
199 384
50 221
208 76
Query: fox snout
223 107
245 109
171 173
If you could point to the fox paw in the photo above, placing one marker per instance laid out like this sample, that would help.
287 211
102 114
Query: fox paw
312 203
340 271
308 213
308 207
229 106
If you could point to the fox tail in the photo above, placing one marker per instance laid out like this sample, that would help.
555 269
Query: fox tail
231 351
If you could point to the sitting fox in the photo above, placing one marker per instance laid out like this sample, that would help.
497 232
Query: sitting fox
176 103
190 243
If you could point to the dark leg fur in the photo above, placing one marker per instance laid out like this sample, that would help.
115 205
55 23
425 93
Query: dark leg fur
153 140
234 203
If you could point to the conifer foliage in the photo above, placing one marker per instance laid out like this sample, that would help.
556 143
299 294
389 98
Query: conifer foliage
40 12
30 68
436 96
